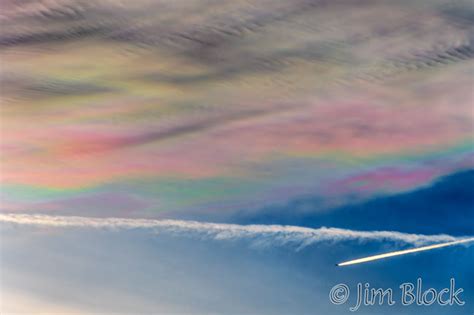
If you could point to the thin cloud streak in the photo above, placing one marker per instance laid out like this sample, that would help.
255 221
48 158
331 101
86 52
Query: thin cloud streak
258 235
404 252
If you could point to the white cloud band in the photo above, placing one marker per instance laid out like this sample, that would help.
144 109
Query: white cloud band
260 235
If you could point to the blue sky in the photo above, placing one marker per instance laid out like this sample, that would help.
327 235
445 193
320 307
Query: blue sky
113 269
221 157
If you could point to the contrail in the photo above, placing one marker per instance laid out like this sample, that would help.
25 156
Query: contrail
258 235
403 252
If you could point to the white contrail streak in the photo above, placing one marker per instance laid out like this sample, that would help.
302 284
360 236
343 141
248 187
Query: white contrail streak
404 252
257 235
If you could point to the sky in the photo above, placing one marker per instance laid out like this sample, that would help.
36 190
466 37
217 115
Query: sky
220 157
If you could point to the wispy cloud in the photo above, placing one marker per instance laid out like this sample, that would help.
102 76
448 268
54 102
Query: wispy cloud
259 235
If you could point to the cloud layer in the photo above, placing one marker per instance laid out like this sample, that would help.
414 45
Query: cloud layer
230 103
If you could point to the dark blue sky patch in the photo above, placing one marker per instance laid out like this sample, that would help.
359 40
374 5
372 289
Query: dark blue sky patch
445 207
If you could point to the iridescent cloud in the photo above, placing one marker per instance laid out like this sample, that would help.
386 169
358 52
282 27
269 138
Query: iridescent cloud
104 95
